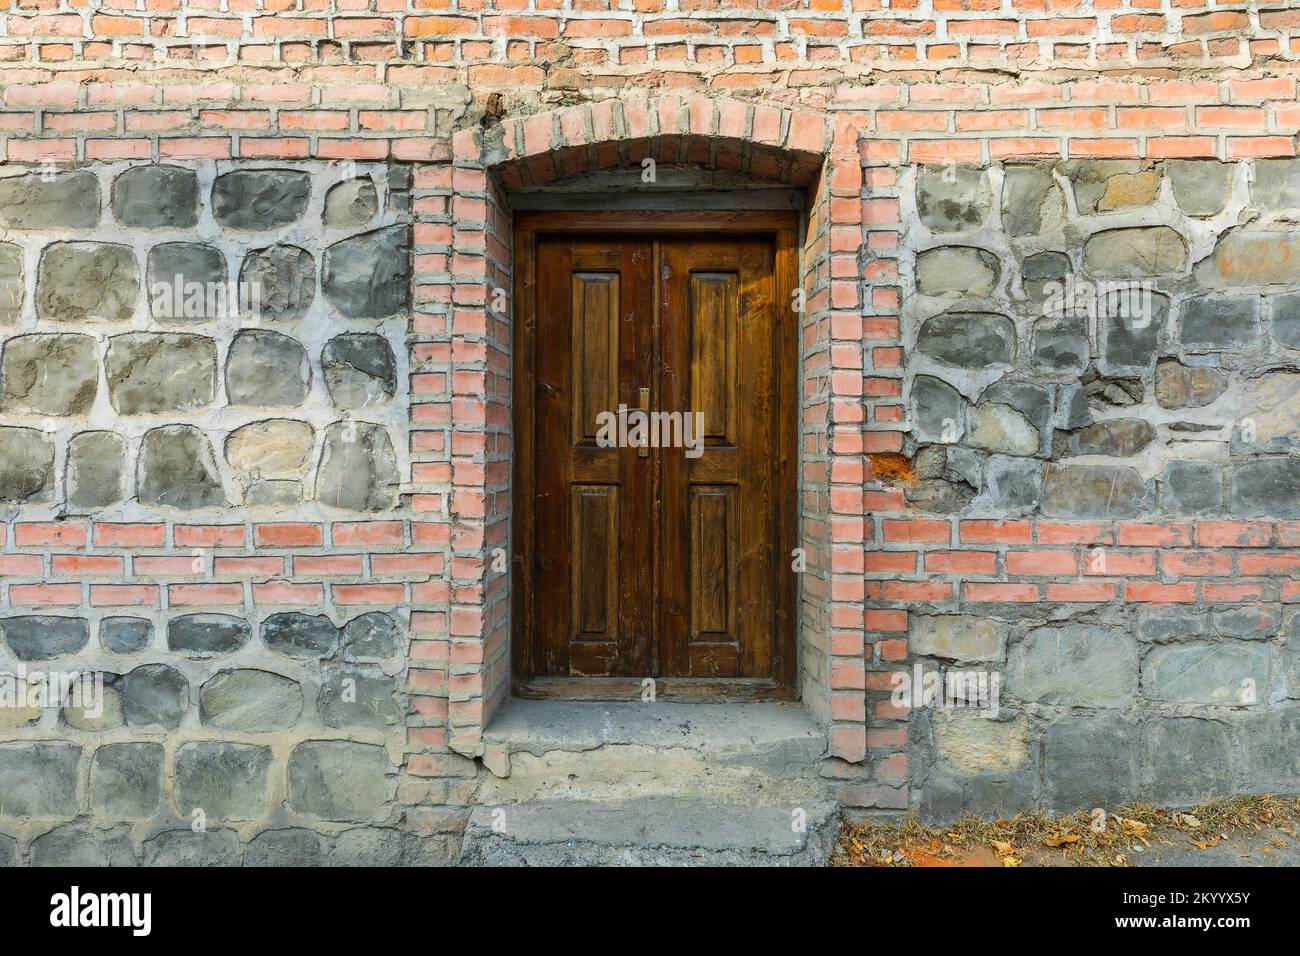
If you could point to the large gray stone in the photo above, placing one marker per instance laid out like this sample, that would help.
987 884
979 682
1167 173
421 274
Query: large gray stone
1033 402
372 636
156 197
1250 621
288 846
12 289
1111 185
1012 485
155 695
1270 414
1117 437
39 779
1187 761
351 203
207 635
87 282
999 428
250 701
1220 322
277 283
68 200
968 339
1074 665
49 374
938 411
1231 673
1286 320
1031 199
1266 487
958 637
1092 491
1187 386
358 468
1131 340
959 271
227 781
1248 257
973 744
1060 345
1270 758
39 637
1134 253
96 470
1201 186
1044 275
357 695
77 845
1089 761
267 369
295 634
1277 185
369 276
277 447
952 198
178 470
215 847
367 846
1192 488
359 370
125 635
26 465
151 372
94 707
260 199
188 282
126 780
338 780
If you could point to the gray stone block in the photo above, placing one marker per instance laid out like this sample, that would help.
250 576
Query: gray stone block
188 281
267 369
278 283
207 635
358 468
68 200
1286 320
369 276
1201 186
96 471
1135 253
260 199
13 291
1266 487
125 635
39 779
49 374
1116 437
1092 491
250 701
295 634
178 470
968 339
952 198
273 448
357 695
938 411
288 846
218 847
1220 322
155 695
1089 761
359 370
1187 386
373 635
126 780
87 282
227 781
39 637
1192 488
1074 665
338 780
1187 761
351 203
1031 199
77 845
959 271
1130 341
150 372
1229 673
156 197
1060 345
26 465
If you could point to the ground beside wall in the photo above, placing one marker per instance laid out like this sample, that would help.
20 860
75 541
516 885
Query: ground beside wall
1101 508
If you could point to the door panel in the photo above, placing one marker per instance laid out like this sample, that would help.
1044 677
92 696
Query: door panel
719 512
655 561
593 565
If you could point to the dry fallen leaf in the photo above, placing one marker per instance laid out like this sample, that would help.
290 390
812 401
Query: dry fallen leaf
1003 848
1061 839
1206 845
1010 861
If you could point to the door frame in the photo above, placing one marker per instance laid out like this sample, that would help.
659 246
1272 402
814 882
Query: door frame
782 228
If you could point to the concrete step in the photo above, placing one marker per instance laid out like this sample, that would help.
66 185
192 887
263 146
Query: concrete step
650 832
608 751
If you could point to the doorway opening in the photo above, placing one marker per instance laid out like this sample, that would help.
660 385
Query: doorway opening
656 422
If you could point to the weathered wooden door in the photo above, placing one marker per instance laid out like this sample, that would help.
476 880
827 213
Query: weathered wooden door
657 551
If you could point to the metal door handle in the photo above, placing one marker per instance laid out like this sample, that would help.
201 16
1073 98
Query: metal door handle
643 451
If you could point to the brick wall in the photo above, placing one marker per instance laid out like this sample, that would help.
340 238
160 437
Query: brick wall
474 98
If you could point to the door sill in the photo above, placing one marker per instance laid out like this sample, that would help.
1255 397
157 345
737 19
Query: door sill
681 689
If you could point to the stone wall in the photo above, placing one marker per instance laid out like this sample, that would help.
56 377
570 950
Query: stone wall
190 349
1105 341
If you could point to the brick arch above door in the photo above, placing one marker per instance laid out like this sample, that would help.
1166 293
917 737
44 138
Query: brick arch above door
462 327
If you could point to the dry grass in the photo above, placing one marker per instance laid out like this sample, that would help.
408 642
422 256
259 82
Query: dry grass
1075 840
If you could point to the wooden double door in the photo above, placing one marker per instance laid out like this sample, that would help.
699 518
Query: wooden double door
660 458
